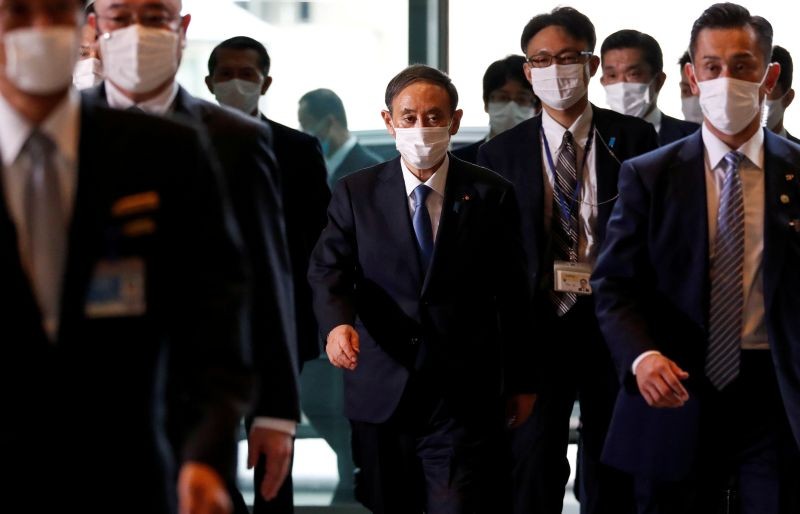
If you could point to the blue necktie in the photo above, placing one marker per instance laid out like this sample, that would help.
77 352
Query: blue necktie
727 280
423 228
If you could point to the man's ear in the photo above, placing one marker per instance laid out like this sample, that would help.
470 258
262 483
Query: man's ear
788 98
210 84
387 120
185 21
689 70
456 122
773 74
265 85
594 65
659 80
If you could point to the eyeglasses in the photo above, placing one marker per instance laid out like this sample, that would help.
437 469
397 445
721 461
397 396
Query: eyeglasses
156 20
545 60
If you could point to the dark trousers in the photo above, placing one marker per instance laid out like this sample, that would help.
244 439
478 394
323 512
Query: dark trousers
747 462
577 365
426 460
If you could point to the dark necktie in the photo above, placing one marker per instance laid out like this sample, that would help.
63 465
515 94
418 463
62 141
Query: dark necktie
423 228
727 280
565 217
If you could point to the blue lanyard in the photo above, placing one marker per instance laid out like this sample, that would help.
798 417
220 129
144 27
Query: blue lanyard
563 202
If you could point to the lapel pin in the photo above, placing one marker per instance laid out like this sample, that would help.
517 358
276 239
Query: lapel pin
466 198
789 177
795 224
785 199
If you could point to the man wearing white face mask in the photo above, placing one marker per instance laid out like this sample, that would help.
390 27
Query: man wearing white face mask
141 43
89 69
633 75
508 100
690 102
564 166
105 274
419 284
782 95
697 294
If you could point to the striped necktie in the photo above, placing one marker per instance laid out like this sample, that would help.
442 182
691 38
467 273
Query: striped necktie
727 280
565 217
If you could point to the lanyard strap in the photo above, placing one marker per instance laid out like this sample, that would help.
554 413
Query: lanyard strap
563 201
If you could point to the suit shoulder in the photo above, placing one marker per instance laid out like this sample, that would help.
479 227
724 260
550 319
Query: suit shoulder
522 133
126 123
625 122
232 117
659 157
287 134
682 125
478 174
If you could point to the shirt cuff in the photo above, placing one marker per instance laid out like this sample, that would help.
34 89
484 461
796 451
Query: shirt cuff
286 426
640 358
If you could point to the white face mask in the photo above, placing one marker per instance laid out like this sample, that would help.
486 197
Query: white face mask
40 61
729 104
560 86
631 98
239 94
422 148
504 115
140 59
690 106
88 73
772 114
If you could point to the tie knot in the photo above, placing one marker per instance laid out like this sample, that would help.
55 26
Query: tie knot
732 161
39 144
567 139
420 194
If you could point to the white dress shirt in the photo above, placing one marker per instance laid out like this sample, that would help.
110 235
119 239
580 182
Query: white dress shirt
158 105
751 170
335 160
654 118
62 126
587 215
435 199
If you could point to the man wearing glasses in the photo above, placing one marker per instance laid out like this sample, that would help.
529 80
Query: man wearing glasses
564 166
141 42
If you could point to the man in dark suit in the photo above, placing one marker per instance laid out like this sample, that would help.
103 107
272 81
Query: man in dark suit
117 250
507 99
578 147
242 147
238 75
782 94
321 114
419 285
633 75
697 295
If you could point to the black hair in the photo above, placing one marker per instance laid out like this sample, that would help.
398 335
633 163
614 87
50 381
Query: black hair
781 56
241 43
500 72
324 102
727 16
685 58
421 73
651 51
574 22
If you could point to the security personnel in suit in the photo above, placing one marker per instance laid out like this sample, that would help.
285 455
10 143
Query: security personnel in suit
242 147
578 147
116 250
633 75
782 94
419 285
697 295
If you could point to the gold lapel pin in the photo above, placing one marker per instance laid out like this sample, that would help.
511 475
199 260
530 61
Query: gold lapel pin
785 199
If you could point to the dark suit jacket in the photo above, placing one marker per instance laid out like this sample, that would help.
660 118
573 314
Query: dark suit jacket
464 322
356 159
469 152
673 129
305 199
145 191
516 154
652 289
792 138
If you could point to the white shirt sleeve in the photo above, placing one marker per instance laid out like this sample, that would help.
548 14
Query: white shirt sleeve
640 358
286 426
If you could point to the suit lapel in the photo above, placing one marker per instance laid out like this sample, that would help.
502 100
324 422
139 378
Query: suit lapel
606 170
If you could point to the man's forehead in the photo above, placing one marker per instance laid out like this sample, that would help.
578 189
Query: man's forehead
172 5
728 40
237 57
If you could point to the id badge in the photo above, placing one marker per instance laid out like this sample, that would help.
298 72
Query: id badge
572 277
117 289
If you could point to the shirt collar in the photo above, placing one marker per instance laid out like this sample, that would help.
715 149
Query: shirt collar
436 181
654 118
338 156
579 128
158 105
716 150
61 126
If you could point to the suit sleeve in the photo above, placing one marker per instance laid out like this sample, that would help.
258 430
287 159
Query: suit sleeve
333 267
623 273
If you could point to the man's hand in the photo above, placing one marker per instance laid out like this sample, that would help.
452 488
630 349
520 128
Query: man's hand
202 491
277 448
342 347
518 409
659 380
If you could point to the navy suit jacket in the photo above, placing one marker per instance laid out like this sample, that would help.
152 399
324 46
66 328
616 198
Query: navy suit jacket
652 293
145 191
792 138
356 159
469 152
464 322
673 129
516 154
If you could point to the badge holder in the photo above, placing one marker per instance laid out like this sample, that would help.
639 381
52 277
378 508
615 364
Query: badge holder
572 277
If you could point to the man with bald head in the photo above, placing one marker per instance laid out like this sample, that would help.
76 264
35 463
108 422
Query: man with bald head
141 42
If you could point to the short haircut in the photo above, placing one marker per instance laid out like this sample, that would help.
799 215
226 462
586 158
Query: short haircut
732 16
574 22
421 73
502 71
240 43
781 56
685 59
651 51
324 102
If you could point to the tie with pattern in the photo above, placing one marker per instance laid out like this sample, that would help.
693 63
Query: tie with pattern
47 231
727 280
422 224
565 224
